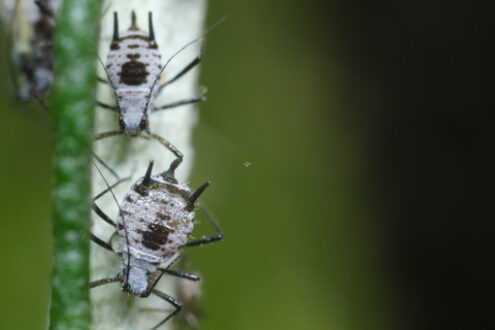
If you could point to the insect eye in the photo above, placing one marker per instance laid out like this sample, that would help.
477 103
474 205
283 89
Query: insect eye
144 123
122 278
121 123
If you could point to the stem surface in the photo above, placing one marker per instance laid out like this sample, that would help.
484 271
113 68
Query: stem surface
72 105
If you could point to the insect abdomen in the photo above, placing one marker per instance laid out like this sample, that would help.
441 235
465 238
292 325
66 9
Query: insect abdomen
134 60
157 223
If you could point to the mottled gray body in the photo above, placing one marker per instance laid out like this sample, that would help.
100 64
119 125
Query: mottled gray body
155 220
134 67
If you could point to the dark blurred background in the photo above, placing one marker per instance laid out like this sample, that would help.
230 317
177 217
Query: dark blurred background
348 145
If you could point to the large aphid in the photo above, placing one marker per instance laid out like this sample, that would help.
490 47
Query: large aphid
134 67
155 220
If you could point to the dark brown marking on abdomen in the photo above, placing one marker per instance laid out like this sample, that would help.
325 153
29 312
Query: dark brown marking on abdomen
133 73
155 237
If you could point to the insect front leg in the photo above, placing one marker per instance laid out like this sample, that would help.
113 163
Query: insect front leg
106 135
102 80
106 106
102 243
103 281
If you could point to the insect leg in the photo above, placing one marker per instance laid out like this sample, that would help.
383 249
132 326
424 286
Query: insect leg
179 273
170 300
183 71
99 211
103 215
209 239
102 243
167 144
103 281
179 103
105 165
106 106
110 188
102 80
107 134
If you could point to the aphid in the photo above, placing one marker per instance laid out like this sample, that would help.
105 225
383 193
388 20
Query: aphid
134 68
31 41
154 222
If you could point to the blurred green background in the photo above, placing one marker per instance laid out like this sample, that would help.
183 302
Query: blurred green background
331 138
285 168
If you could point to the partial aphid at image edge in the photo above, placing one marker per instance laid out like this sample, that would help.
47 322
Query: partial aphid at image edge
30 30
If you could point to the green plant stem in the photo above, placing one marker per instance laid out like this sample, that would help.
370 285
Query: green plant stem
72 108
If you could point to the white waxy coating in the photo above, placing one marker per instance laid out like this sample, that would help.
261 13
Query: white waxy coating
157 223
136 273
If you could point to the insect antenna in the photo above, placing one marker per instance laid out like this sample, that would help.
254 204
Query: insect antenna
157 78
124 225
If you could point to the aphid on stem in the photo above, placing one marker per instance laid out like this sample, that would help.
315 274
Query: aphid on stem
154 222
134 69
